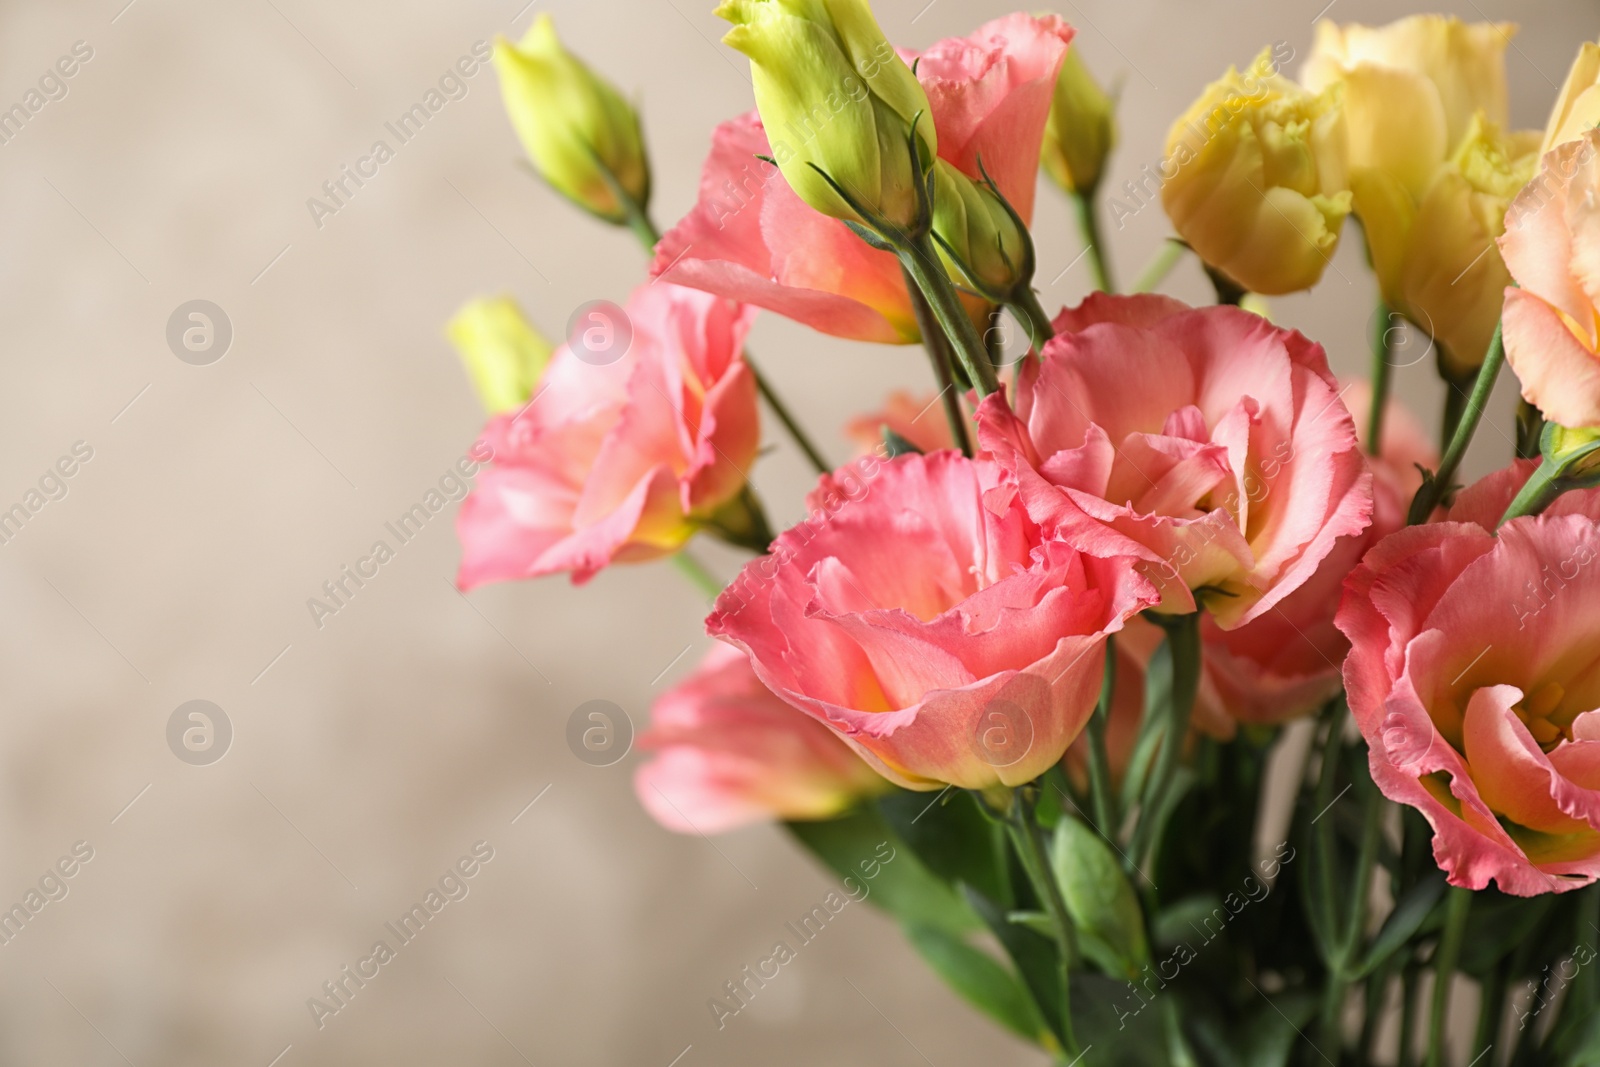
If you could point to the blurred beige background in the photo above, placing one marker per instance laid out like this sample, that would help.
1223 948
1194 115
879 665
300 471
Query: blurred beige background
371 754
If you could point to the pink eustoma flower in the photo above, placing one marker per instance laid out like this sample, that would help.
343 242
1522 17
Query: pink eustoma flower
1206 441
750 238
729 753
1286 663
618 461
947 642
1475 678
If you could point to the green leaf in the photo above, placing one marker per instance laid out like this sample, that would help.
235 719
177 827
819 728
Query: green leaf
984 982
1033 955
1157 696
860 843
1403 922
1099 897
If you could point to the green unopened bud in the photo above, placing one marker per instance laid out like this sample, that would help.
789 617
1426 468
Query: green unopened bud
1576 451
989 247
578 131
1100 899
1082 129
835 97
503 354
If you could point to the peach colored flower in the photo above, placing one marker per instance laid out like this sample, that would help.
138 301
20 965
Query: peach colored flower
1475 678
620 461
729 753
750 238
1207 442
1552 248
946 641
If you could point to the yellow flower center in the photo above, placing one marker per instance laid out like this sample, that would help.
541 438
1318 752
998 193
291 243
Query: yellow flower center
1540 712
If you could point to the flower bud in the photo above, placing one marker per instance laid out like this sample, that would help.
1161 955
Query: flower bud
1258 189
1100 899
1436 258
1577 111
578 131
503 354
835 97
1082 129
974 227
1576 451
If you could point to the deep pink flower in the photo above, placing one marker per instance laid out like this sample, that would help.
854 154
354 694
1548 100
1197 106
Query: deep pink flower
1475 678
750 238
729 753
1208 442
946 641
619 461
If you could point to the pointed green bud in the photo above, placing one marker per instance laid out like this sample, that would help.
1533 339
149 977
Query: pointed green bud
835 97
578 131
503 354
991 248
1082 129
1577 452
1100 899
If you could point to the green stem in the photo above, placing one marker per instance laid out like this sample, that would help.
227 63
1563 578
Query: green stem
1322 836
1409 995
922 262
1449 954
1491 1006
939 354
1354 931
1530 428
1156 271
1025 305
1382 377
649 235
1103 803
642 227
1456 394
696 572
1183 640
1088 211
1434 488
1029 842
781 410
1545 484
1229 292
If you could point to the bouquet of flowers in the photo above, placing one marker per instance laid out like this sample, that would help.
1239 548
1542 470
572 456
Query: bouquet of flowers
1026 659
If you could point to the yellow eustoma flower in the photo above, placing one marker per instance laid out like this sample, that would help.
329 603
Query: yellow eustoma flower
1257 186
578 131
1577 111
1411 89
